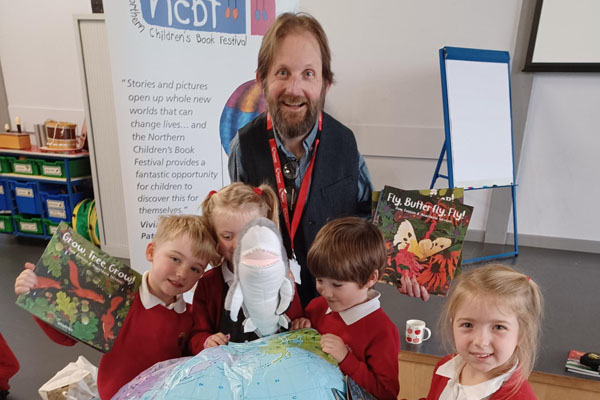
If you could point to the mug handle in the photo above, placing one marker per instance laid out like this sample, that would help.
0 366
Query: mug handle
428 334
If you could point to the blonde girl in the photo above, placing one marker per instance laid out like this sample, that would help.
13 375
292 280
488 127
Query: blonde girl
227 212
492 316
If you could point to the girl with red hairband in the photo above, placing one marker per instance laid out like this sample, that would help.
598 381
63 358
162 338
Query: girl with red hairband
227 211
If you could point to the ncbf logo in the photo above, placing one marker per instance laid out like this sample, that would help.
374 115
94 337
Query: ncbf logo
201 15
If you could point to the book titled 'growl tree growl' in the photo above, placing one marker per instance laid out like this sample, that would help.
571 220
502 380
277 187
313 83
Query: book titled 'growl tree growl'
424 232
81 290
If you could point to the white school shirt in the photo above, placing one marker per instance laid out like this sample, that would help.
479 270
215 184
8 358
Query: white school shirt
149 300
361 310
454 390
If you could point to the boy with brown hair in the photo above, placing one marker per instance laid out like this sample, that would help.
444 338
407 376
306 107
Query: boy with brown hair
159 322
347 258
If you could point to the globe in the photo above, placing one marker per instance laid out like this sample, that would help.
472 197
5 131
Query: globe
287 365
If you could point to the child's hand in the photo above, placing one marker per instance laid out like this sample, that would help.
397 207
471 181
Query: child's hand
26 280
334 345
215 340
300 323
411 288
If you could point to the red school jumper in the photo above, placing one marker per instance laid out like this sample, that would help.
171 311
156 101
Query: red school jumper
208 305
438 383
9 365
147 337
374 345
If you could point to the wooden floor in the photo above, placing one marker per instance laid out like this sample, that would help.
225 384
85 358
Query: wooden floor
569 280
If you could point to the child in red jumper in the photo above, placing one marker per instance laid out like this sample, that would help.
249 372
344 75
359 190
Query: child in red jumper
227 212
347 258
493 316
159 322
9 366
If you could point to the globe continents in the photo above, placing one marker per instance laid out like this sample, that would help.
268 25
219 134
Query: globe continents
288 365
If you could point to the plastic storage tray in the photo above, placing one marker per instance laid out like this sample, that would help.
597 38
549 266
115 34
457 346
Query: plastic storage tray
6 224
29 225
5 165
50 226
5 197
25 166
56 169
58 207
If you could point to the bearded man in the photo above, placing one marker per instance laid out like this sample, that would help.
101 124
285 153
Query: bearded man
310 159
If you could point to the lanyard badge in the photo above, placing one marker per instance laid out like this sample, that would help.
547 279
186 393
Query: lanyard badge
292 226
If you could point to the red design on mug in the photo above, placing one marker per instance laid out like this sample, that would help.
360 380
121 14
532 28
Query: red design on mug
408 339
418 332
416 340
409 330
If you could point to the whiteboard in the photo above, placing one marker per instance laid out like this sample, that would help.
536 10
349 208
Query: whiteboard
478 117
564 36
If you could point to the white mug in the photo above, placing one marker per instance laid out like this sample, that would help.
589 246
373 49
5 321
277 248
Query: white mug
415 331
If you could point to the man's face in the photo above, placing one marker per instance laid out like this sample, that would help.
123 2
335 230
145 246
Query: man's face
294 86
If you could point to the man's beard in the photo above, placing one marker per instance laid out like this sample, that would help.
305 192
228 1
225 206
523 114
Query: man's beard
290 125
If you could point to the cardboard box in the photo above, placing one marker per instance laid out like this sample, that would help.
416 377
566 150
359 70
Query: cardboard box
14 140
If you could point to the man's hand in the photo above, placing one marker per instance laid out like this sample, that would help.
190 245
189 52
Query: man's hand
334 345
26 280
215 340
411 288
300 323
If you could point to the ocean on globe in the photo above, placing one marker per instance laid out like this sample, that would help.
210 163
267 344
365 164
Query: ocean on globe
245 104
289 365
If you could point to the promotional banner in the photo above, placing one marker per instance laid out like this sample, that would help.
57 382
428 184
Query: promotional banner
184 82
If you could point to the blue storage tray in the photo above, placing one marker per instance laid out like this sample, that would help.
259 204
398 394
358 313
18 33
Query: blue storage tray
26 195
58 206
5 197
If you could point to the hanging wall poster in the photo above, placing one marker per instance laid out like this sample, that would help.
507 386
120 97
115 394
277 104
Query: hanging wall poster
424 232
183 76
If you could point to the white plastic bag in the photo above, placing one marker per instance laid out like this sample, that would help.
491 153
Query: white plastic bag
76 381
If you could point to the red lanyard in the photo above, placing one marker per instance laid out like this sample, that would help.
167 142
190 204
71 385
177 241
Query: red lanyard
302 196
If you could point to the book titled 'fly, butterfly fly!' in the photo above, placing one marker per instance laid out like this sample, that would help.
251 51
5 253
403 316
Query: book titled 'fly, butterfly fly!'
424 231
81 290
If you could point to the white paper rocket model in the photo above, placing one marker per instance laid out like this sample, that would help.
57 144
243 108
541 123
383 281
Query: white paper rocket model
262 285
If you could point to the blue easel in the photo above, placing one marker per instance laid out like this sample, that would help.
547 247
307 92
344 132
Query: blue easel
478 143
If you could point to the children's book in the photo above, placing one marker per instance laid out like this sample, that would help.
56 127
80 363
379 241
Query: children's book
81 290
424 232
574 365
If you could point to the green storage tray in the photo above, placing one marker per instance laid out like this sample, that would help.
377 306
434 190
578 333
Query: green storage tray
5 165
26 166
56 169
50 226
6 224
29 225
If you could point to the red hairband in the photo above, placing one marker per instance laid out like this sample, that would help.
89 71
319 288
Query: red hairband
211 193
258 191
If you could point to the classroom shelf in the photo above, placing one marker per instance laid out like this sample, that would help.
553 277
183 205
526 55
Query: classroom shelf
27 199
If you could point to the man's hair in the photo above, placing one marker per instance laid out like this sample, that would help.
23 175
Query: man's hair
511 291
347 249
172 227
284 25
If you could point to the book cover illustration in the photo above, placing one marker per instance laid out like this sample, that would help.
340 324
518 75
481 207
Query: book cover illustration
424 233
81 291
575 366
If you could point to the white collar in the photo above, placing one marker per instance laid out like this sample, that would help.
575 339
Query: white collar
228 276
361 310
455 390
149 300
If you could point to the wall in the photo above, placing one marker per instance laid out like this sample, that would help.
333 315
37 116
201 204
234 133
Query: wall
387 89
559 184
39 60
395 107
